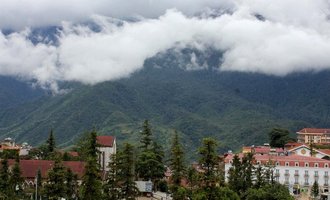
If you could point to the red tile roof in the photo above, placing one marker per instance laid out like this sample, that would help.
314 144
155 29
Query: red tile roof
314 130
291 160
105 141
30 168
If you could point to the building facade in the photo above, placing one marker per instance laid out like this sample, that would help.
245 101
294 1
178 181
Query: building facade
314 135
106 147
295 171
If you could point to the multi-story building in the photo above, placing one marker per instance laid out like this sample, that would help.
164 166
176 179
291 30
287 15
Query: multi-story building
107 147
295 171
305 150
314 135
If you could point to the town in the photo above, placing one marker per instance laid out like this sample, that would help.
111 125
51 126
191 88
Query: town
298 166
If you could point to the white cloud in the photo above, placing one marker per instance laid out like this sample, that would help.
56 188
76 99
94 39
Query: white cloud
287 41
18 14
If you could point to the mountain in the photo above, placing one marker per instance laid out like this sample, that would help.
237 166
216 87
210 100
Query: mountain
235 108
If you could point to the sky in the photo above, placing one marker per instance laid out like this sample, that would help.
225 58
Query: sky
291 36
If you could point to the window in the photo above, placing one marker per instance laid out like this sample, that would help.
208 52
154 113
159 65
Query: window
316 173
258 162
286 163
326 174
286 180
296 164
326 181
306 172
277 163
306 181
287 172
326 165
316 165
306 165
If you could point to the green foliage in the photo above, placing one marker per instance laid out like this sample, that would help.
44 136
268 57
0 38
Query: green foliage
269 192
279 137
196 103
177 161
4 179
16 181
217 193
209 160
91 187
111 187
150 164
315 190
55 187
126 172
71 185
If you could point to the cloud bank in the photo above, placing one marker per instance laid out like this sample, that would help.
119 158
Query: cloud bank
291 36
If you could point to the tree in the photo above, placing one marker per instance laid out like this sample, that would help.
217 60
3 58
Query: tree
209 161
91 183
111 188
177 161
4 179
55 186
39 184
150 160
274 191
146 134
51 142
71 185
126 173
279 137
16 181
315 190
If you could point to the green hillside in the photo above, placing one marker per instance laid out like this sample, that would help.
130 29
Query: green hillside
234 108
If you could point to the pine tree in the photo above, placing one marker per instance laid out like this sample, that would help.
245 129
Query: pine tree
315 190
150 164
16 181
55 186
111 188
126 173
177 161
91 184
235 175
209 160
71 185
146 134
4 179
51 142
39 184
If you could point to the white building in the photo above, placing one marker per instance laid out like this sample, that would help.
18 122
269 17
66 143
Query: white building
107 147
304 150
297 172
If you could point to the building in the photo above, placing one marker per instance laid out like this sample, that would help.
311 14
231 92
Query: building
106 147
29 169
8 144
305 150
295 171
314 135
263 150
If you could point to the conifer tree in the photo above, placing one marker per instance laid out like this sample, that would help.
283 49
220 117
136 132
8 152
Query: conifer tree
55 186
150 164
39 184
146 135
177 161
4 179
111 188
51 142
235 175
209 160
126 173
16 181
71 185
315 190
91 184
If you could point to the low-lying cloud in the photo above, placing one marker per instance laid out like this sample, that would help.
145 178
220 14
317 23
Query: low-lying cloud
293 36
